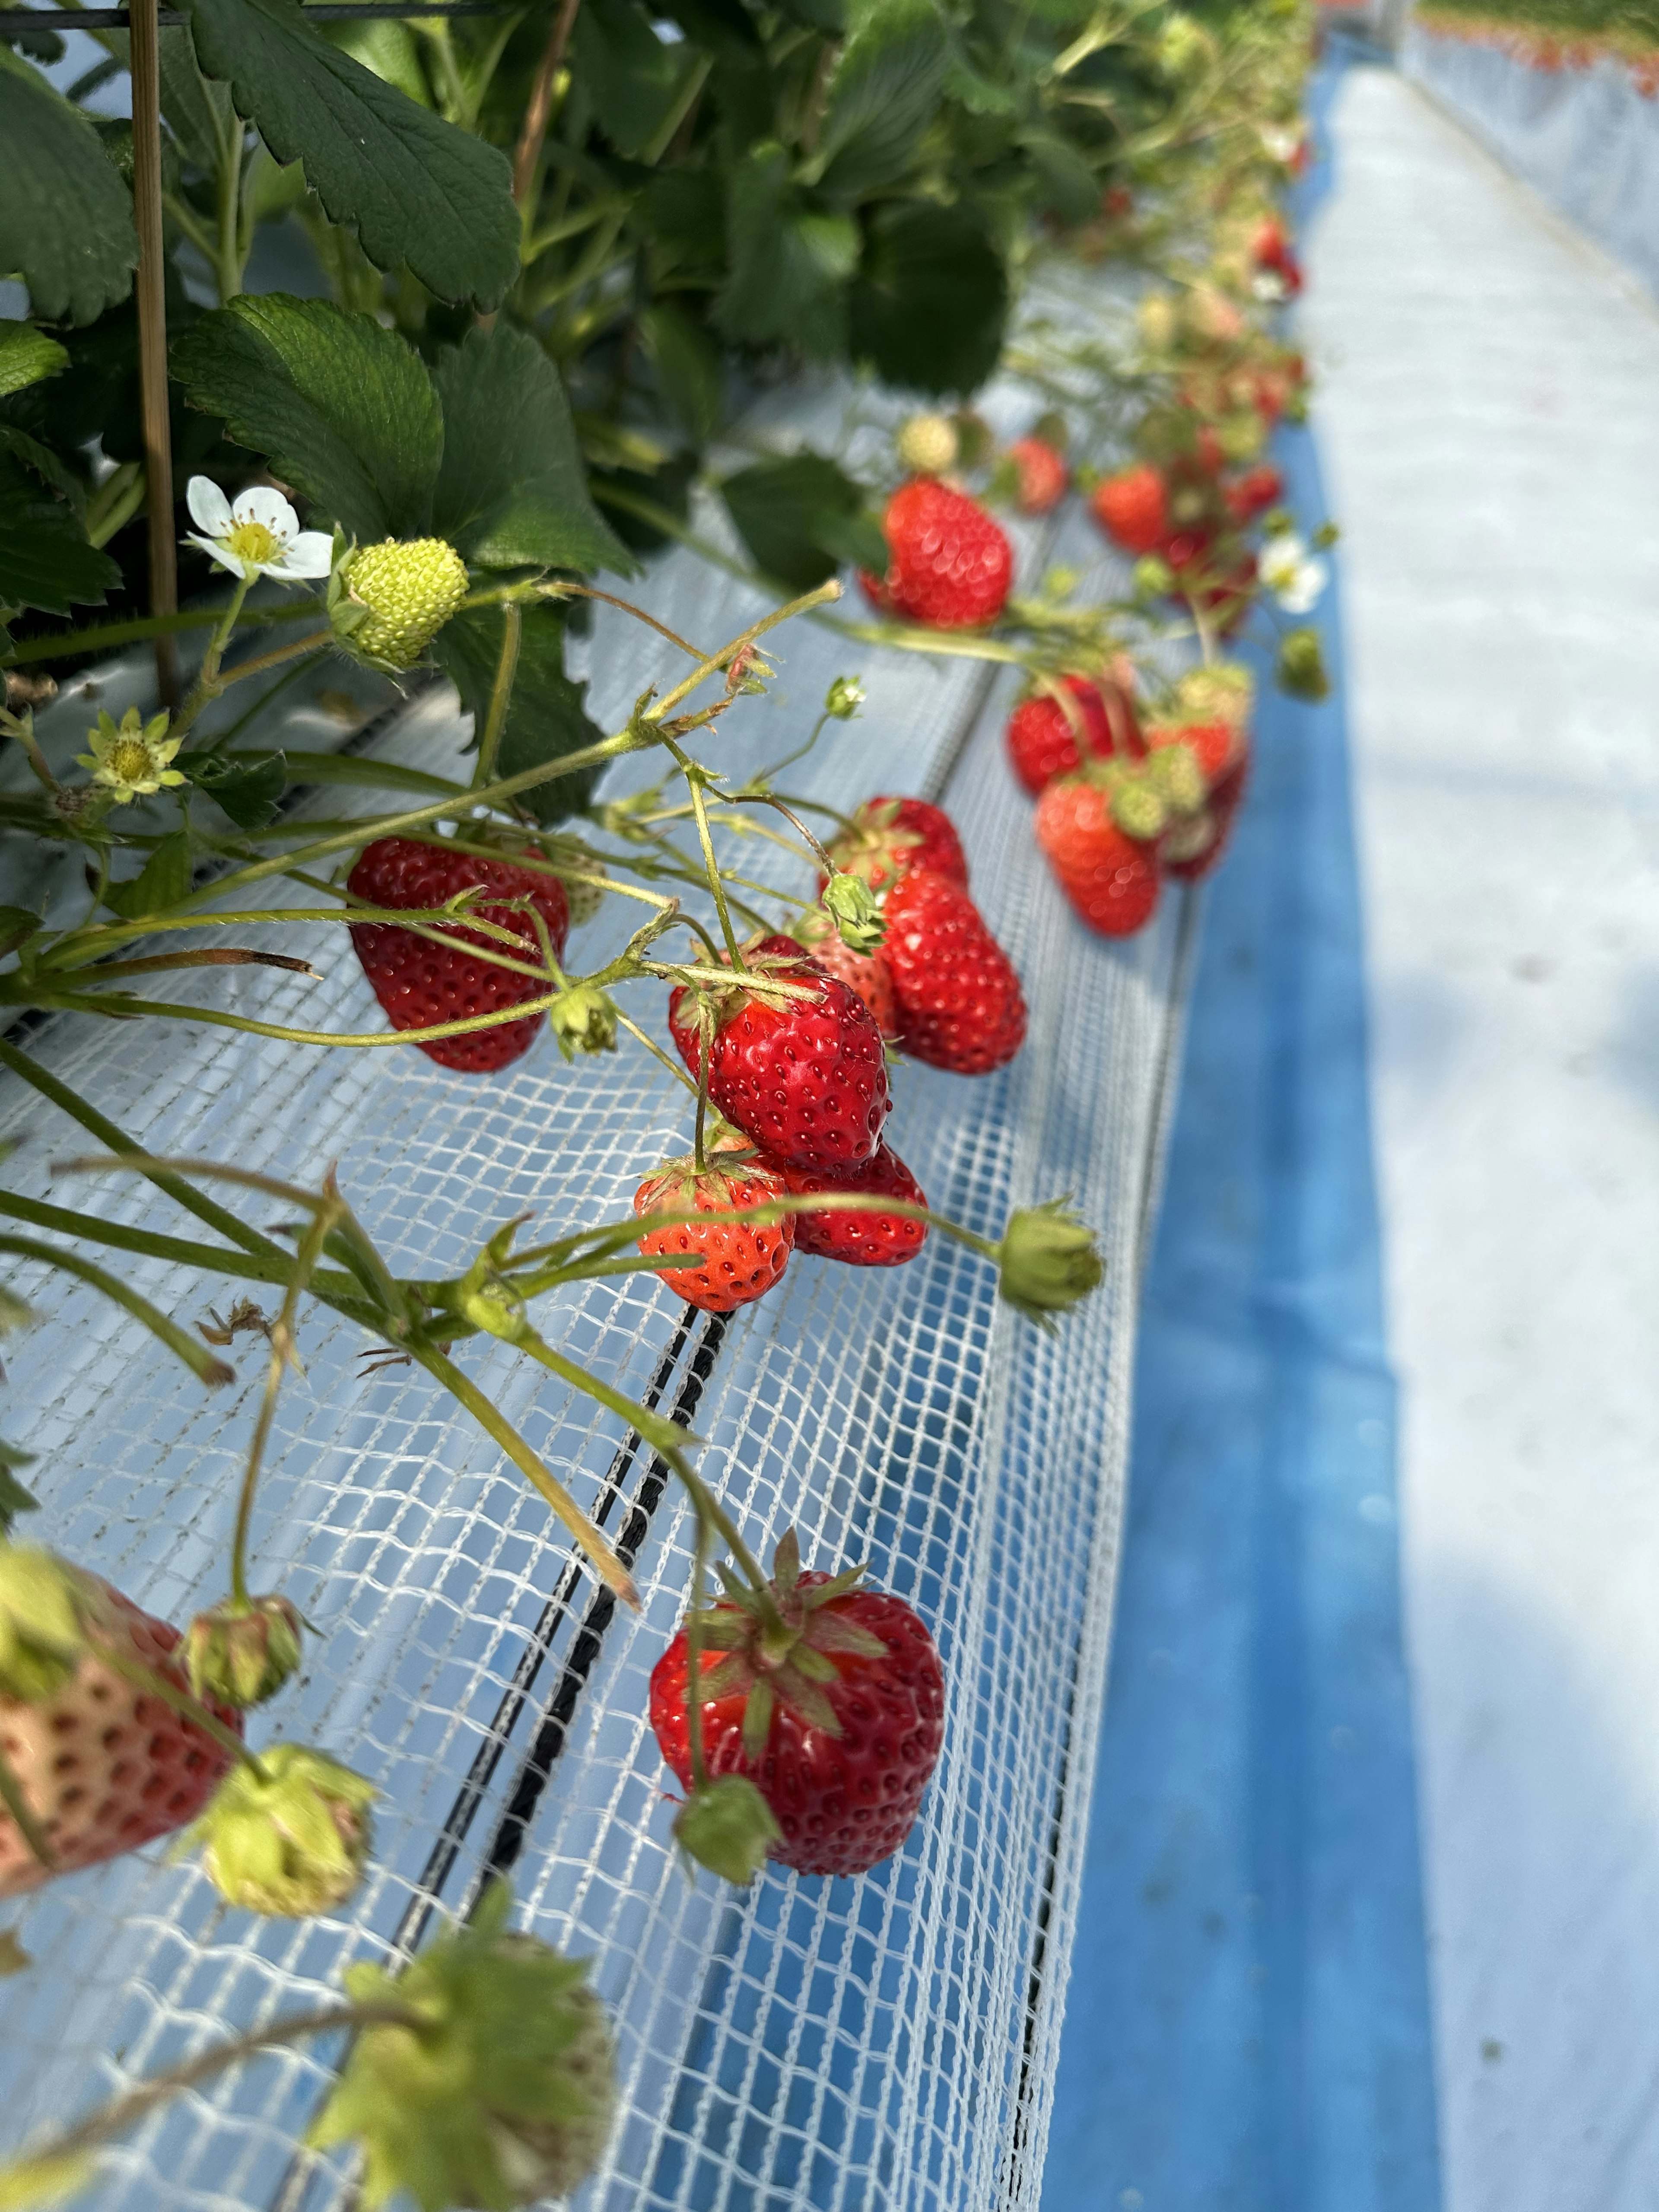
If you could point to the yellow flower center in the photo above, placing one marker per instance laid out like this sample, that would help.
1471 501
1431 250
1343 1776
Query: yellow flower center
252 542
129 758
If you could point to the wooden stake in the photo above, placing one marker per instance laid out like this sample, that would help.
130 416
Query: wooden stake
151 292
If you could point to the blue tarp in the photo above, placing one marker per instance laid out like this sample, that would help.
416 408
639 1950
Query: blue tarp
1248 2023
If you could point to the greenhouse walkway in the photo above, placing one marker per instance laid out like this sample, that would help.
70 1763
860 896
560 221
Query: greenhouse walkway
1251 2020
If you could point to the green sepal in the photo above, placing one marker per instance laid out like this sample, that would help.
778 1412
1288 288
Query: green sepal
43 1608
1048 1261
851 905
289 1837
727 1826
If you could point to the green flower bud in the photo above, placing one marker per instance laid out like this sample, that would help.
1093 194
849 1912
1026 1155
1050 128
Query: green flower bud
851 904
928 444
583 1019
728 1827
1048 1261
499 2091
42 1635
1302 665
289 1838
844 698
395 598
243 1653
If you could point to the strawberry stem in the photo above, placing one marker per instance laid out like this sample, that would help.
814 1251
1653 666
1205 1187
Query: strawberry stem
694 774
501 695
11 1795
196 1356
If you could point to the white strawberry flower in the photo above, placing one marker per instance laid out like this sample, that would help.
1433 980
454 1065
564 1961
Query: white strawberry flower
1270 287
1290 573
257 534
1280 144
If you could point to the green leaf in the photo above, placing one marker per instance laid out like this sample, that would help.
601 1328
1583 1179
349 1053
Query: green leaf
1070 186
45 560
632 77
17 925
14 1498
415 189
26 356
881 96
66 216
200 115
389 49
53 472
341 407
787 511
546 717
512 492
789 263
161 882
931 300
689 369
247 787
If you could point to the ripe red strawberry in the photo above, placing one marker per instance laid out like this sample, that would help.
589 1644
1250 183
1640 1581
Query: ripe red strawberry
1111 880
890 836
104 1766
1270 249
1193 848
863 1240
959 1000
843 1763
1254 492
949 564
806 1078
866 973
418 982
1042 474
1042 743
741 1259
1133 508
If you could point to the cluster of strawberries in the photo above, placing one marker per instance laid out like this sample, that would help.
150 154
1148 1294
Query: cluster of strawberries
1125 800
795 1049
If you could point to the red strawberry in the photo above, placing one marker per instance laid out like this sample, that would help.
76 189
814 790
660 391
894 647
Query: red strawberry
866 973
1193 849
1252 493
104 1766
1133 508
1042 474
959 1000
806 1078
742 1260
1042 743
843 1761
418 982
890 836
863 1240
948 563
1110 880
1213 744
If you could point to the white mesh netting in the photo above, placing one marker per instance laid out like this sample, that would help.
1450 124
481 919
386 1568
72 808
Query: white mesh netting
887 2042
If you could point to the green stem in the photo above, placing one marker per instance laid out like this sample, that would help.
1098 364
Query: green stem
207 686
228 261
196 1356
693 775
491 743
12 1797
339 1290
656 1051
64 643
694 1648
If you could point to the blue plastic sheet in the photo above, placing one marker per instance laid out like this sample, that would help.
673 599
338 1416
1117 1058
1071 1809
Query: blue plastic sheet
1248 2021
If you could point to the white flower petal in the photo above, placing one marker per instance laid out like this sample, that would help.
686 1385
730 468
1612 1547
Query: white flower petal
225 560
263 504
209 509
312 553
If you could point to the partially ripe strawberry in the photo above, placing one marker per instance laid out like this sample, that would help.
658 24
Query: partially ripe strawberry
103 1765
949 564
890 836
1133 509
866 973
861 1239
959 1000
419 982
804 1077
1042 474
1192 849
834 1709
1254 492
1042 743
740 1260
1109 878
1213 744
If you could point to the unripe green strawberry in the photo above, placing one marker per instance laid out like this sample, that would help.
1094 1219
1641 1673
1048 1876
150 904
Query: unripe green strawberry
1138 808
289 1837
927 444
398 595
243 1653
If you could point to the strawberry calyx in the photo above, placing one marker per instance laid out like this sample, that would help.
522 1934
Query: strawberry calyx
1135 796
241 1652
44 1605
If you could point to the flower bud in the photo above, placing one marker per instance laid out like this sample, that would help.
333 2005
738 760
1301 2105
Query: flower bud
1302 665
42 1600
501 2088
851 904
396 597
927 444
289 1837
727 1826
1048 1261
242 1654
583 1019
844 698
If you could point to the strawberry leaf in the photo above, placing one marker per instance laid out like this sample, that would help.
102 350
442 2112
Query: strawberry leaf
343 410
45 560
65 215
787 511
416 190
26 356
546 715
245 786
882 97
789 261
932 297
511 491
161 882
